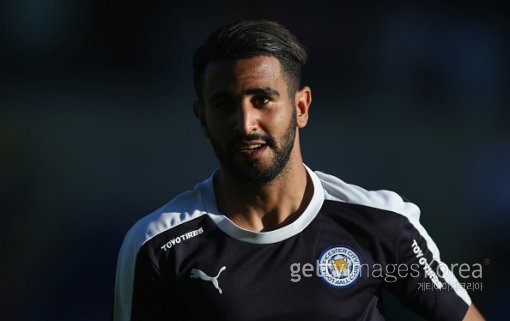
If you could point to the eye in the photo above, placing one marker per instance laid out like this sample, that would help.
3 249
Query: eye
260 100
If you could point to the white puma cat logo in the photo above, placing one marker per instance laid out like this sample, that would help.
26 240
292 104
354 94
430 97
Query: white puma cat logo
198 274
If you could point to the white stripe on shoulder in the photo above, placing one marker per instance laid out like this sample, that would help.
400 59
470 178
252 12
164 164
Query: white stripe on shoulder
183 208
337 190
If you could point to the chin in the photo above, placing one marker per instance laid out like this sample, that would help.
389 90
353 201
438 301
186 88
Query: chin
256 174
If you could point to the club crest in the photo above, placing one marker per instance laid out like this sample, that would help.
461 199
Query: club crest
339 266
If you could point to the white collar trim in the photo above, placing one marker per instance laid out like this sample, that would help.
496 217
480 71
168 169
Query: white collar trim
285 232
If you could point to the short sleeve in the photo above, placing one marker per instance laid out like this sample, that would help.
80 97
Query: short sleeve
424 283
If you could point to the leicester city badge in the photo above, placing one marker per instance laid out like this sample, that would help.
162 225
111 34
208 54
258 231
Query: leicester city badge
339 266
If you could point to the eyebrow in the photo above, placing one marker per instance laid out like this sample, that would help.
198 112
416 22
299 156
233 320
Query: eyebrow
264 90
252 91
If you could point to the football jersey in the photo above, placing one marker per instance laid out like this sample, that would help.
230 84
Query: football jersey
187 261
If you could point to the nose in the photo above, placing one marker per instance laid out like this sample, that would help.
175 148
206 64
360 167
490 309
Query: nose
247 118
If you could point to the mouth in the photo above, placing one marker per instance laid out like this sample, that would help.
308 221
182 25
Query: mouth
252 149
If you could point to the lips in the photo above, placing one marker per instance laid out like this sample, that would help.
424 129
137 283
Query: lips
251 149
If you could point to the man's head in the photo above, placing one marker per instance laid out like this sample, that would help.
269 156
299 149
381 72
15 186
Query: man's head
250 103
247 39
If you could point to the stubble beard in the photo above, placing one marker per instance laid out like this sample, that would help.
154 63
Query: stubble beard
250 170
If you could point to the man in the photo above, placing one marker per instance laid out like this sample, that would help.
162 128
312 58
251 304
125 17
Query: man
265 237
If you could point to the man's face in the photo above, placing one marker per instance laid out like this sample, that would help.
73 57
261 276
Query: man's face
249 117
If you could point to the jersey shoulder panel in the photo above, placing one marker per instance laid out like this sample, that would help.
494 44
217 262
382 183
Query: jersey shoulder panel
181 209
337 190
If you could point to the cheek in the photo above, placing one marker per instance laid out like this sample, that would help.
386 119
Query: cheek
216 128
281 120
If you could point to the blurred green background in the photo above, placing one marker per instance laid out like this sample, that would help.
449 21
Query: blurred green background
96 130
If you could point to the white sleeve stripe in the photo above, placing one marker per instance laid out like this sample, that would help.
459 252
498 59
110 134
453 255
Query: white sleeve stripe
448 276
124 279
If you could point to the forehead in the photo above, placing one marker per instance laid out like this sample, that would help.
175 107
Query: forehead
240 75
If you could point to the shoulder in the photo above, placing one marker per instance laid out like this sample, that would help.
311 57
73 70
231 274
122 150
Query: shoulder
386 209
184 208
337 190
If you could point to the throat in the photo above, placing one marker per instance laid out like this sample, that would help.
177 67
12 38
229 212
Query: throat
264 208
265 222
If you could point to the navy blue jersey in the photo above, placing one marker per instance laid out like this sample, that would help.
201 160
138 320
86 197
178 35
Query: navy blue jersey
187 261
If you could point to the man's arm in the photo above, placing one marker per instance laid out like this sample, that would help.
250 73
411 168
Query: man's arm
473 314
430 289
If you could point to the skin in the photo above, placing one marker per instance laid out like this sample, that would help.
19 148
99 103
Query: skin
473 314
251 96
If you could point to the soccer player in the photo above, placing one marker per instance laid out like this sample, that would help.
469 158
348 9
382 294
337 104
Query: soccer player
265 237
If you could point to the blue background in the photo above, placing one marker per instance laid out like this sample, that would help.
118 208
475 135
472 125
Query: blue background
96 130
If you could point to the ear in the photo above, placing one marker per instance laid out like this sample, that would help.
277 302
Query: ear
198 111
303 100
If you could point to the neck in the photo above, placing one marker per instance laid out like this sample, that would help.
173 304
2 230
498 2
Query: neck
267 206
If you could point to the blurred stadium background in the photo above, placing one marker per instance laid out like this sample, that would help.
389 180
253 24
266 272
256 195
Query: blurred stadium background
96 130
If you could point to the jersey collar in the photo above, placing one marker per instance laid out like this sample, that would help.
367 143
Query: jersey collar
283 233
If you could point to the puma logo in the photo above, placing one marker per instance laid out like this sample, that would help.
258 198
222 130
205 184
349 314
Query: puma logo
198 274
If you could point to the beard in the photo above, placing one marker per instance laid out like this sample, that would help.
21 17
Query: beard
250 170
